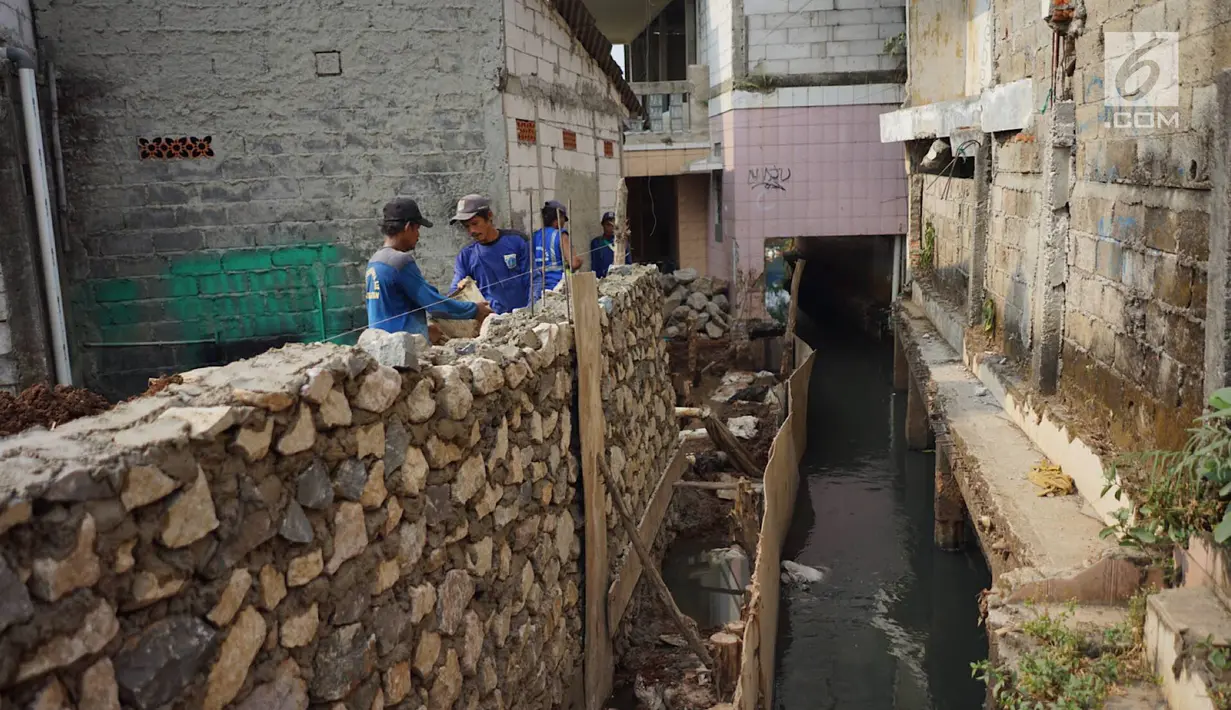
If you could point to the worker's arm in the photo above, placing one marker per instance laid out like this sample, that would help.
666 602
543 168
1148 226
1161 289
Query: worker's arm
460 270
566 248
425 296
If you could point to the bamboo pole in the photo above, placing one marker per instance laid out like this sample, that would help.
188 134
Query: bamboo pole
650 569
788 338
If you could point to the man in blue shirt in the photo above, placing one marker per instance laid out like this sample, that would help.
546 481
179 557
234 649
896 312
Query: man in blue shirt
551 245
498 260
602 248
398 297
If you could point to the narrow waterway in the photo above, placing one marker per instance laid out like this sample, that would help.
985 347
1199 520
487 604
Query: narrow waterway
894 624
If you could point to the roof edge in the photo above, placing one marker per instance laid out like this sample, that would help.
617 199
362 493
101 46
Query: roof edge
578 18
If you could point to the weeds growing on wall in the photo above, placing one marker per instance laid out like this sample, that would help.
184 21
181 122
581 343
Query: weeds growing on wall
1179 494
927 255
1068 669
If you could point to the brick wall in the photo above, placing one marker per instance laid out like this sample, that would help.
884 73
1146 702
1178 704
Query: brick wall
554 82
303 159
692 194
949 207
822 36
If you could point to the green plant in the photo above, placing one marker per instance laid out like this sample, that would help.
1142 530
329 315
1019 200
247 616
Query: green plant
1215 660
1179 493
1065 668
757 82
927 255
896 45
989 315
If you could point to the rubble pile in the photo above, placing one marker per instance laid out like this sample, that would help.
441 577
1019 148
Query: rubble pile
703 298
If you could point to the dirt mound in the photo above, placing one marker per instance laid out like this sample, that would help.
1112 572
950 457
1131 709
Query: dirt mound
41 405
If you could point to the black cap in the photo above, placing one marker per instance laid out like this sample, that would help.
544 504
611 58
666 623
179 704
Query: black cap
404 210
556 206
608 217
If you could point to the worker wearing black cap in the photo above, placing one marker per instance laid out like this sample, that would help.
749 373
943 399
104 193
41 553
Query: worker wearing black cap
602 248
552 250
398 297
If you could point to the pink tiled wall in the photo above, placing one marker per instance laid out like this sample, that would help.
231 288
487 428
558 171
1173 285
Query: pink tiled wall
833 175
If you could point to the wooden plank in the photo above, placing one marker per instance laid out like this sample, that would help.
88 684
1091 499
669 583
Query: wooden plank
725 440
788 340
682 623
587 335
625 583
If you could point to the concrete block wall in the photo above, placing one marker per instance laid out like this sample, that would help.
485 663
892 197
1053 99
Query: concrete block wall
716 38
692 193
949 208
556 83
1012 240
313 527
284 215
822 36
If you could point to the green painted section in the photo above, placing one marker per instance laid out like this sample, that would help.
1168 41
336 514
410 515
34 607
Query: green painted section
302 292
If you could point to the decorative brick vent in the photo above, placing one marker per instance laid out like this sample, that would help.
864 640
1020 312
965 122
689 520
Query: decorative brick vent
173 148
570 140
527 131
609 149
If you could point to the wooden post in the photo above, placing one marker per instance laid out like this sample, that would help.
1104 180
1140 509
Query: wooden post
692 350
725 440
727 658
682 622
788 338
587 334
621 225
918 427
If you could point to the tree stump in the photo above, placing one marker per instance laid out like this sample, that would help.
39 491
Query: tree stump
727 658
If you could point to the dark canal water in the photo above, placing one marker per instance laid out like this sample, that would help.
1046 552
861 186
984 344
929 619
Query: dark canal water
894 625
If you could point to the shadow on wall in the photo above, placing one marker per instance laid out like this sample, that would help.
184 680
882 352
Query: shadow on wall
210 308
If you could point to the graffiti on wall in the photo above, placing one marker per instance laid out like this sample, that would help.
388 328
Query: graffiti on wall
769 177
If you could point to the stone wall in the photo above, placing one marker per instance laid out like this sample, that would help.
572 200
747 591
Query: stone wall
317 113
310 526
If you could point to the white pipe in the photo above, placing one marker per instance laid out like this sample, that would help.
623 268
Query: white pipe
897 266
42 198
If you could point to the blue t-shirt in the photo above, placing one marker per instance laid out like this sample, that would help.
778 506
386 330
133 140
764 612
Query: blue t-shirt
399 298
602 255
501 270
549 257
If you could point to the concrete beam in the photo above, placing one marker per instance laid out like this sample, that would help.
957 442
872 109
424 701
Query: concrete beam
1048 317
975 292
901 367
1217 337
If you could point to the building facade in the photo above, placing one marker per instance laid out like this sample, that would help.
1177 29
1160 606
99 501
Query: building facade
763 125
226 162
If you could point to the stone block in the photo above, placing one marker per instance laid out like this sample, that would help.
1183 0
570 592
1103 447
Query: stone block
396 350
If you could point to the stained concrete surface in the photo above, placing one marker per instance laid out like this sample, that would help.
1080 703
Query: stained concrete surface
895 623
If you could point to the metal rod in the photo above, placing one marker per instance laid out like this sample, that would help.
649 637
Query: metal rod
57 155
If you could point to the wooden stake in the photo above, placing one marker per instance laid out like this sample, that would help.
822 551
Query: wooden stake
725 440
689 412
727 658
788 339
621 225
650 569
717 485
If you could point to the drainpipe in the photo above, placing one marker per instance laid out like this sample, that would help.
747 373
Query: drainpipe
42 197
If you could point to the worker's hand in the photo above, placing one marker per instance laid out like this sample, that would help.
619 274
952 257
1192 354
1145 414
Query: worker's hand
435 334
482 311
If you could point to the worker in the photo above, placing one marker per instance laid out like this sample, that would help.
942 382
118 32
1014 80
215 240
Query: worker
551 246
498 260
602 248
398 297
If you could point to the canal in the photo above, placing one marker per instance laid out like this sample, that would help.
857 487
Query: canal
894 625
